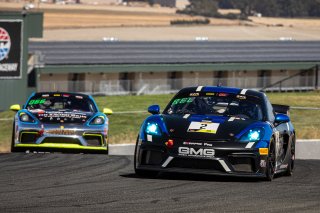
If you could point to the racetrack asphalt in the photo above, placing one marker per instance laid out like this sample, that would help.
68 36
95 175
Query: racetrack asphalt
53 182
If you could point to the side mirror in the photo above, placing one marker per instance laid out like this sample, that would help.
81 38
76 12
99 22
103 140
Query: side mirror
282 118
15 107
107 111
154 109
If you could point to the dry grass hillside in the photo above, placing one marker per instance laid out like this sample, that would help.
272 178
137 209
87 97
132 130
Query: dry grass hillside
85 16
93 22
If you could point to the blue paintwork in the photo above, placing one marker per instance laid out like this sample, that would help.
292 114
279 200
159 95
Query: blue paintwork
258 124
268 128
221 89
277 128
157 119
97 114
42 128
36 121
282 118
215 119
94 103
154 109
262 144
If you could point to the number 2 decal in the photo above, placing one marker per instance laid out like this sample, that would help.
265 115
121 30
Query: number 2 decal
203 127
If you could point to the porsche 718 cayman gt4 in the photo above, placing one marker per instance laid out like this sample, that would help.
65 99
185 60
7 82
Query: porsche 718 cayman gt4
60 122
217 130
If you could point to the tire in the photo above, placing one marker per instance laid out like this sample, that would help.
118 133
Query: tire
107 152
271 162
290 168
142 172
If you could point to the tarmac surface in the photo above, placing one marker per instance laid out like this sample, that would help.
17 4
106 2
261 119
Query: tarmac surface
56 182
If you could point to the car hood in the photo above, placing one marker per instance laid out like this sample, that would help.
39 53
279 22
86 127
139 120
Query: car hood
75 117
201 127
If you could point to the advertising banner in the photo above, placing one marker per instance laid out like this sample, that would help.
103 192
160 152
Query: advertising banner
10 49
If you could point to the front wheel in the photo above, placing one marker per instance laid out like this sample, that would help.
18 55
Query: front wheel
290 168
107 151
271 162
142 172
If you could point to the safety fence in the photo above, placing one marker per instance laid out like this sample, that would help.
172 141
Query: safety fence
166 86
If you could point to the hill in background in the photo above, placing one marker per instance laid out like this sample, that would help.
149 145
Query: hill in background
97 22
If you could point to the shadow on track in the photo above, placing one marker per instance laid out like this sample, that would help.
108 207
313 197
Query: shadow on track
195 177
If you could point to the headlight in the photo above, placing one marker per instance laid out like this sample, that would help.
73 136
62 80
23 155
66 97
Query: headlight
152 129
97 121
252 135
24 117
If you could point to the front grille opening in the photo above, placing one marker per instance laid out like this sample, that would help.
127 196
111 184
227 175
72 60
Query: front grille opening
242 164
149 157
61 140
28 137
196 164
93 140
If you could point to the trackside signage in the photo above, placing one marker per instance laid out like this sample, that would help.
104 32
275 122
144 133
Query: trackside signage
10 49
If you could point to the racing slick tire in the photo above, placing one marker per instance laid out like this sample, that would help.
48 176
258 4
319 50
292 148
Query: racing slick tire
290 168
107 152
271 162
142 172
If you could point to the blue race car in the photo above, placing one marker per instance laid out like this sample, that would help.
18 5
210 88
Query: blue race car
64 122
217 130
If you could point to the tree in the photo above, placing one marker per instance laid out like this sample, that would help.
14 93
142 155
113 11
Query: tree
245 6
314 9
267 7
226 4
207 8
282 8
293 8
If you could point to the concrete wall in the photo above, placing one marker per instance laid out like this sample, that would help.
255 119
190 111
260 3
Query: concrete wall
53 82
151 81
305 149
100 81
197 78
155 82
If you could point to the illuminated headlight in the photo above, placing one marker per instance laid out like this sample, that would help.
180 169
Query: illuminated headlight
97 121
152 129
253 135
26 118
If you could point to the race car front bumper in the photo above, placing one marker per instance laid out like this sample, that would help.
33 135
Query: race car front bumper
233 160
53 137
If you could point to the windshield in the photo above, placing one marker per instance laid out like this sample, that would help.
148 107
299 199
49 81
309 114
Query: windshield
60 102
220 104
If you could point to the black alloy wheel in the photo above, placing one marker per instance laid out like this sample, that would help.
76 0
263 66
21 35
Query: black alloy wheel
271 163
290 168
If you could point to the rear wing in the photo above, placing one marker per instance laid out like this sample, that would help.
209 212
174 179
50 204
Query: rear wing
283 109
